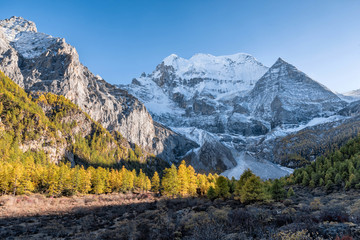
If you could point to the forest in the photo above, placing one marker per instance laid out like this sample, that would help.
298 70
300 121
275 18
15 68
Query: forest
108 163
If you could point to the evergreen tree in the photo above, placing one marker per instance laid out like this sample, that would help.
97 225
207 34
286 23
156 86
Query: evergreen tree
192 181
290 192
277 190
155 183
211 193
252 190
202 184
169 182
243 178
305 179
232 185
338 179
115 180
222 188
183 179
84 184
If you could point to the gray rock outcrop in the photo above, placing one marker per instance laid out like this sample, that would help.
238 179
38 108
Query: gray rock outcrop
39 62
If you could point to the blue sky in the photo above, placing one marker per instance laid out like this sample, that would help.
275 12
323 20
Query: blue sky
121 39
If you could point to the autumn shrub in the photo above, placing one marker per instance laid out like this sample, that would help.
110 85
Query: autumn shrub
298 235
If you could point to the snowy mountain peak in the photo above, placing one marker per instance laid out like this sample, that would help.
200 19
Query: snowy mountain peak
15 25
281 68
281 62
238 66
168 61
23 36
281 94
19 24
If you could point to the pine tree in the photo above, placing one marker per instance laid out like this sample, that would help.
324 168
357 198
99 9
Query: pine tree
202 184
329 185
16 175
211 193
192 181
127 180
169 182
305 179
115 180
4 177
338 179
155 183
277 190
222 187
147 186
52 181
84 185
243 178
141 182
252 190
290 192
183 179
232 185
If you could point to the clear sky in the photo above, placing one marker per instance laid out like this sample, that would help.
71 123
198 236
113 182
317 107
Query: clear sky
121 39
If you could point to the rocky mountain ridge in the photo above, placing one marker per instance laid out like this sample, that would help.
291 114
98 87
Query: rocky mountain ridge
225 112
40 62
238 113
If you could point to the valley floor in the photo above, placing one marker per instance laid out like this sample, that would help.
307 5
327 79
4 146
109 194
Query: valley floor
307 215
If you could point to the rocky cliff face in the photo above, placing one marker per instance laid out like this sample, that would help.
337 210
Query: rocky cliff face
238 101
40 62
200 92
285 95
299 148
225 104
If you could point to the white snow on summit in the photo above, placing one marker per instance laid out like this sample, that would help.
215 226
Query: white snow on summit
23 36
240 66
14 25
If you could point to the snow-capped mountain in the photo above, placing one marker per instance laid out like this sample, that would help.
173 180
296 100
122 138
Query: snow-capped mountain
39 62
198 94
285 95
234 99
200 90
237 68
234 111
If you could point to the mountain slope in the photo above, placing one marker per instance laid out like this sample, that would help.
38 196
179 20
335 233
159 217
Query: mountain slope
350 96
238 102
200 90
55 129
285 95
39 62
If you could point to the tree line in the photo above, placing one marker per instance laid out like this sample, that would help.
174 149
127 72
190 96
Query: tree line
338 170
32 173
23 119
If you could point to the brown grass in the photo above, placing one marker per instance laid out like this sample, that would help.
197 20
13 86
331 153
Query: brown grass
37 204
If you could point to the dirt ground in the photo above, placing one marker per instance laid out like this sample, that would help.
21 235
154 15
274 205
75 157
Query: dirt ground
309 215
